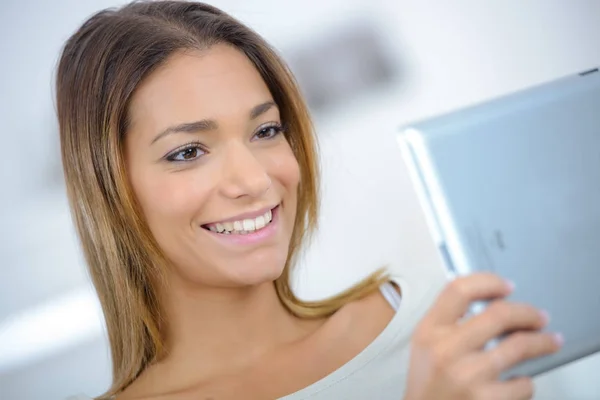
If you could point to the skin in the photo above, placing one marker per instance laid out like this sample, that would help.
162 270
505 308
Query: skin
447 361
228 335
217 289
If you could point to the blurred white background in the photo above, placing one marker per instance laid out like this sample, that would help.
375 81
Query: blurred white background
439 55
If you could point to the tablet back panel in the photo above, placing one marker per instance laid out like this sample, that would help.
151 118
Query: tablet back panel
513 186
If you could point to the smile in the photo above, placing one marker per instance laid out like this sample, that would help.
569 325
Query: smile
243 226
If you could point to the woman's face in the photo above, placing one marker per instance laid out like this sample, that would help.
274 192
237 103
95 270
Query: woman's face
212 170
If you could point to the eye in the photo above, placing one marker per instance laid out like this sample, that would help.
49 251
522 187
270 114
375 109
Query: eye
269 132
189 152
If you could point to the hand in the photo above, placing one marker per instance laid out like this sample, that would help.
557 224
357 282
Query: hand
448 360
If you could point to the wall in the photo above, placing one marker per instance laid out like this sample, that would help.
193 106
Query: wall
452 54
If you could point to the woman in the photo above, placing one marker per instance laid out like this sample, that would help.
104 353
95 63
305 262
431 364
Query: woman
191 171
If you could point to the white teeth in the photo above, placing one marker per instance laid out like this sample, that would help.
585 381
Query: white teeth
243 227
249 225
260 222
237 226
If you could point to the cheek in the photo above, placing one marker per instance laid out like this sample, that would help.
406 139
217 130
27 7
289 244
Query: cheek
167 197
286 170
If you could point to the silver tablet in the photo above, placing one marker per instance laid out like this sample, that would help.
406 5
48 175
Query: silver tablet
513 186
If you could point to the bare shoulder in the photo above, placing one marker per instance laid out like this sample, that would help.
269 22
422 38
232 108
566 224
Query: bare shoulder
335 342
374 305
363 320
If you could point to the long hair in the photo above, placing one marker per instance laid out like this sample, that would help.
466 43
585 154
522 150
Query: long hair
100 67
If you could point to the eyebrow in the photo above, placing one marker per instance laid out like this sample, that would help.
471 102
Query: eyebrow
206 125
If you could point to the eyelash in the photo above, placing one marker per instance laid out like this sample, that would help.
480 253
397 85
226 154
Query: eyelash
276 129
190 146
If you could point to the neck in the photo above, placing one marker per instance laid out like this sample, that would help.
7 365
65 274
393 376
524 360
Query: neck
220 329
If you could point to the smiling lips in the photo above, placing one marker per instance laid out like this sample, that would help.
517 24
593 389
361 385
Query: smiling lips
243 226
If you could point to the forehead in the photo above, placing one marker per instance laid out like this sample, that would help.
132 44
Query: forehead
220 82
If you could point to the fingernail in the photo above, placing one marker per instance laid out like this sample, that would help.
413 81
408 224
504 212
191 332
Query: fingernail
511 285
559 339
545 316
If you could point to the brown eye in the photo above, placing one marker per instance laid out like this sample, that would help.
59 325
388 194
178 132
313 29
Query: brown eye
188 153
268 132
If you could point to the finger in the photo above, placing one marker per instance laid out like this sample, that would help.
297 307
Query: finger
513 389
517 348
455 299
498 318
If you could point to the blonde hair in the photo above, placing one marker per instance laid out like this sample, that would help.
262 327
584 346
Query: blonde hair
100 68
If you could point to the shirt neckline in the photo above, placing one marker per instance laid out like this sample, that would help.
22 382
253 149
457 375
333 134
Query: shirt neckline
386 338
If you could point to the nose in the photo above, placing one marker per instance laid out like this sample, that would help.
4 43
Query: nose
243 173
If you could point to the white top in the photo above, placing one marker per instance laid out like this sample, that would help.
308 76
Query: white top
379 371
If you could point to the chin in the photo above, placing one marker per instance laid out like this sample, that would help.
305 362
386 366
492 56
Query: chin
256 272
